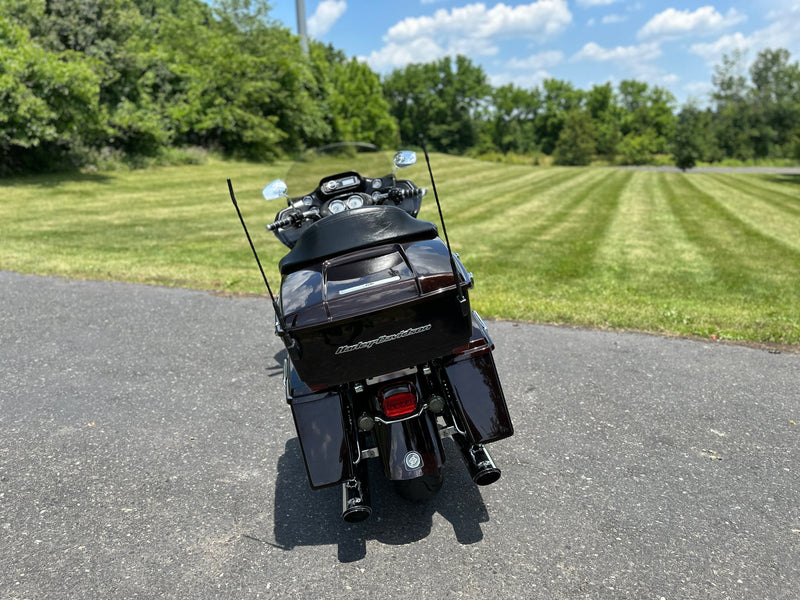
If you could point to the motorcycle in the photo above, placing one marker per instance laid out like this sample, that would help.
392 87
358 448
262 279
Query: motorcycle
385 358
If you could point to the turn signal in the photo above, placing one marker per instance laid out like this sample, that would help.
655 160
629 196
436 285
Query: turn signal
398 400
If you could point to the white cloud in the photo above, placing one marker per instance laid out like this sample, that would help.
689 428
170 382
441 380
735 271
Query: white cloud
624 54
587 3
327 13
524 81
673 23
611 19
727 44
537 20
631 61
537 62
666 79
781 33
472 30
395 56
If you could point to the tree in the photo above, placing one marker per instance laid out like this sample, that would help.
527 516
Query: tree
694 137
733 120
774 103
602 106
244 86
576 142
559 98
49 103
358 109
440 100
511 118
115 35
648 121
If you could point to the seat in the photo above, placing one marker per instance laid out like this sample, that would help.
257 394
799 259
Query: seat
354 230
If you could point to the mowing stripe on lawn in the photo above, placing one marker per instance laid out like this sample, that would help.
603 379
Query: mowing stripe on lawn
730 243
762 188
774 218
645 245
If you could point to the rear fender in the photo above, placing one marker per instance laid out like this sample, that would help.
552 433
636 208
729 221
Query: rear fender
409 448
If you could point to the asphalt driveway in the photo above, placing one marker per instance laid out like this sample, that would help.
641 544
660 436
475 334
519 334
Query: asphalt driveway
146 452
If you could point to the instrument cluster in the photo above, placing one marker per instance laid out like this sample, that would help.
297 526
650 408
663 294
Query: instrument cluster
340 205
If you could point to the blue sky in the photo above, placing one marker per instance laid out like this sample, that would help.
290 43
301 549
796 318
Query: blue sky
674 44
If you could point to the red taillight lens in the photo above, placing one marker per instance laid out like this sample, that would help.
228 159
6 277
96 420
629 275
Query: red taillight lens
398 401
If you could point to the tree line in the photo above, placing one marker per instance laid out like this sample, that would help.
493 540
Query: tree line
91 82
749 118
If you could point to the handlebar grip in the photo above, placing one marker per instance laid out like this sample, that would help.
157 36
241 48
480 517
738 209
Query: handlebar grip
402 193
280 223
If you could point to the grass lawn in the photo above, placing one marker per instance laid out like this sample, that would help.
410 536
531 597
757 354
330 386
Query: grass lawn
704 254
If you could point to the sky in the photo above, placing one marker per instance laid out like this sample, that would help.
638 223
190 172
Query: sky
673 44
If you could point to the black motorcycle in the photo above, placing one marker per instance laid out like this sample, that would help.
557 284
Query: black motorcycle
385 357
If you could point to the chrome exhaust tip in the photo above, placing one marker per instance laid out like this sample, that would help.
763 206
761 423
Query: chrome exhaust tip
480 465
355 501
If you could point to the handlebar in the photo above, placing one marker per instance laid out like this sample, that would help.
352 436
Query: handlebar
398 194
280 223
297 217
293 219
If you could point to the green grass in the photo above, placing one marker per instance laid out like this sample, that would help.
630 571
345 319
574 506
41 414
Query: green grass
702 254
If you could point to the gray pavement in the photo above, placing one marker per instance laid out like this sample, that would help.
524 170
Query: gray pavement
146 452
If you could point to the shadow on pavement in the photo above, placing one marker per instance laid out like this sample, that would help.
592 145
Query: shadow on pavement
306 517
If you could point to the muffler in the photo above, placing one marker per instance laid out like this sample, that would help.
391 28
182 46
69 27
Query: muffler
479 463
356 505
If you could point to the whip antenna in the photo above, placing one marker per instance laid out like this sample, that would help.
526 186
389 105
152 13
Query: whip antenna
255 254
461 299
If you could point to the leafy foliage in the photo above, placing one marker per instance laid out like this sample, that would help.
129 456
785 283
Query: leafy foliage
49 102
576 142
84 79
359 108
762 118
694 139
136 81
440 100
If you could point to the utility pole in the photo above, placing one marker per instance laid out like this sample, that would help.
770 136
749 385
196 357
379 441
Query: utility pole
301 25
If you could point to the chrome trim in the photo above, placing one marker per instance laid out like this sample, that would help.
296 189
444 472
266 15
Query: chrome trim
370 453
447 431
414 415
392 375
286 379
366 286
358 450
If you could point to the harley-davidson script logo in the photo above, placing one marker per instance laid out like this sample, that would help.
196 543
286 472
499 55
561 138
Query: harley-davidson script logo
383 339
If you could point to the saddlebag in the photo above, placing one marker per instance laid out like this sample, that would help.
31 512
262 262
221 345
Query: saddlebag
477 396
321 430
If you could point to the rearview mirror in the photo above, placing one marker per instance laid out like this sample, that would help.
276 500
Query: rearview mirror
405 158
274 190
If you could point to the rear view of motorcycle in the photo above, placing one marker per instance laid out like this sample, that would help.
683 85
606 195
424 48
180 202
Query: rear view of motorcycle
385 358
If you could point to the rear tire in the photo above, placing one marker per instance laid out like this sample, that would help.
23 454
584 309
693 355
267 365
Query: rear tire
420 489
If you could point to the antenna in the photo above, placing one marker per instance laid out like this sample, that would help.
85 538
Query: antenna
255 254
461 299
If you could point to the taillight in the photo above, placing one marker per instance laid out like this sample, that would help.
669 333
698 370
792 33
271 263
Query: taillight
398 400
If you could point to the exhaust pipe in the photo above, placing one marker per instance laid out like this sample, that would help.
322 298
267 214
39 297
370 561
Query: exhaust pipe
356 506
479 463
